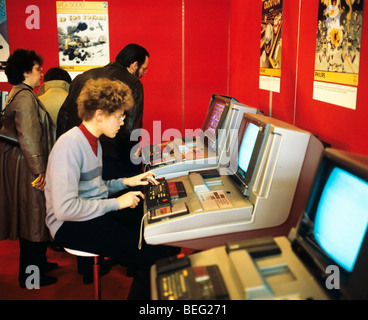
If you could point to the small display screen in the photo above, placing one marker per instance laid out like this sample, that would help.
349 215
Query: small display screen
215 117
246 155
247 147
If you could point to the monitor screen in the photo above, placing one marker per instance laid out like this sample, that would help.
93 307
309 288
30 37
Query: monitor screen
215 117
246 153
247 146
342 217
334 225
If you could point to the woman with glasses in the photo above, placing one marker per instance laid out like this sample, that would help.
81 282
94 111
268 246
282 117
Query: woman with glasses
23 167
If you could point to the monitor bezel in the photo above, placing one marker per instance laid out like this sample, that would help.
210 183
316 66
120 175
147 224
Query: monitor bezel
243 179
307 249
227 101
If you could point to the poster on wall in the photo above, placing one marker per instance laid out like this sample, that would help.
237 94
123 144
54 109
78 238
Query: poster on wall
339 32
4 42
83 32
271 43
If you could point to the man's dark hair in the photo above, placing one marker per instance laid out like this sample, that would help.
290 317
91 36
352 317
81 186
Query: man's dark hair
57 74
131 53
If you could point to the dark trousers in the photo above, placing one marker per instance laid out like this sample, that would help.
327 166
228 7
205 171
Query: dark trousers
109 236
31 253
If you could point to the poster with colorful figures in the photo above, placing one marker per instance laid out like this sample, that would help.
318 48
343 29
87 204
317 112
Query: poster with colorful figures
83 32
4 42
271 44
339 32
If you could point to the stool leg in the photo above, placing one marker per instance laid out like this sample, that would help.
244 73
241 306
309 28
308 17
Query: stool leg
96 278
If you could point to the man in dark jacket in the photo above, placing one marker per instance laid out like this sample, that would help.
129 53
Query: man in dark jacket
130 65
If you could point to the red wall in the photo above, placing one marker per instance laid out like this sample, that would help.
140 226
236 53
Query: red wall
245 26
218 54
181 75
206 56
344 128
341 127
244 56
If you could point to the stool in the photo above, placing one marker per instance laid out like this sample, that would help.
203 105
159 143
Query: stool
96 269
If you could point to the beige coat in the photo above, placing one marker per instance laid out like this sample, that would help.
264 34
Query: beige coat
22 207
52 94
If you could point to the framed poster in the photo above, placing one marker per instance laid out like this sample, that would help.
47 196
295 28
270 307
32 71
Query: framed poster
339 32
4 42
83 33
271 44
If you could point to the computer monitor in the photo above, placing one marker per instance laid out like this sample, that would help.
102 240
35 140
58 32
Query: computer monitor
334 227
216 206
216 114
251 137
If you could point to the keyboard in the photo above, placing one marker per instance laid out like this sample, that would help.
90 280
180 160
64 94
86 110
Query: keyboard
157 196
192 283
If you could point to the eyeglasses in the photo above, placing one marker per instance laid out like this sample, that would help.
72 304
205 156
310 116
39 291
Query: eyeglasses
120 117
39 69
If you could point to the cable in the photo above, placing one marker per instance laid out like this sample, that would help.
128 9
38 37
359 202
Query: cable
141 232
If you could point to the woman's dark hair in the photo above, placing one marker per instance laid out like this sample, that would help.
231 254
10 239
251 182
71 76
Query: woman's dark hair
131 53
57 74
19 62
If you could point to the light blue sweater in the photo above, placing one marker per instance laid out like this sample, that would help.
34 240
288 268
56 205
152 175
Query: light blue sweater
74 188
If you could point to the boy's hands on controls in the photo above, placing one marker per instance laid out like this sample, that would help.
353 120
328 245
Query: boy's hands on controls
141 179
132 198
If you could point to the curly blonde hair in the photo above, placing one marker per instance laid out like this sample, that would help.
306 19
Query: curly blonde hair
104 94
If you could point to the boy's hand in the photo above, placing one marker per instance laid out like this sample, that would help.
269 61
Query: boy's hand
141 179
130 199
